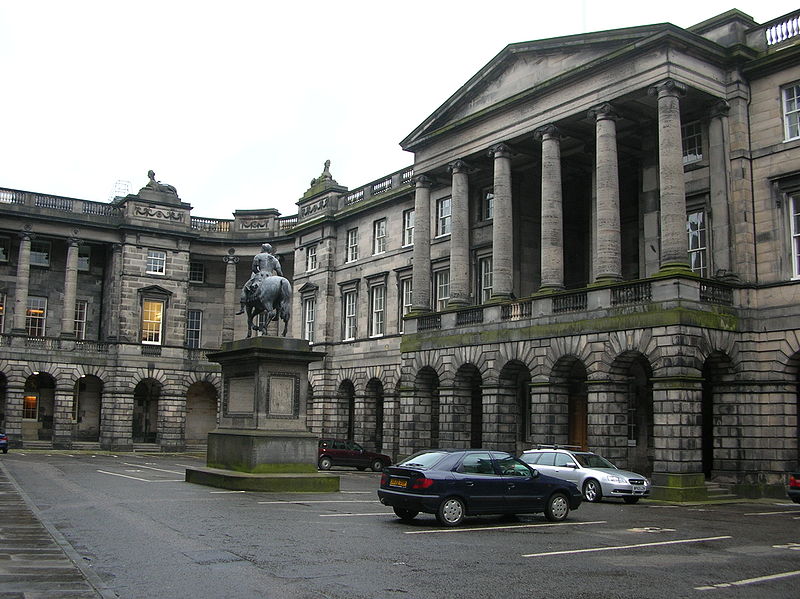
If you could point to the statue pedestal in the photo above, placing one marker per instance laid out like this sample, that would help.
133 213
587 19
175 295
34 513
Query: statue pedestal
262 443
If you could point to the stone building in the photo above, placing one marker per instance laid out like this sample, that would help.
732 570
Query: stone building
597 245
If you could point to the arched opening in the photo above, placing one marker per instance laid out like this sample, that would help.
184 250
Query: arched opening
346 400
145 411
577 407
717 371
641 448
87 402
38 404
467 411
373 415
426 389
201 412
514 411
3 395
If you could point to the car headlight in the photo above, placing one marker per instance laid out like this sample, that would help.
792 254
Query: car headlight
612 478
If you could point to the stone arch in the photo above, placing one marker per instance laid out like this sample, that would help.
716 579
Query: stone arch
87 406
577 346
202 410
38 405
623 347
474 355
428 359
522 352
625 409
426 405
720 426
464 411
3 398
147 394
512 415
343 421
569 398
369 416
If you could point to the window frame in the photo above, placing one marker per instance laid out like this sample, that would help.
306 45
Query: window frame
484 290
81 317
194 334
377 310
441 301
408 227
487 203
158 333
702 233
444 221
692 139
5 250
2 312
349 317
405 295
195 267
45 263
351 250
31 319
794 231
311 258
84 257
379 237
309 316
153 260
791 118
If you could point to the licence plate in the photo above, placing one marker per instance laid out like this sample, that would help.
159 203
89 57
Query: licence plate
398 482
638 488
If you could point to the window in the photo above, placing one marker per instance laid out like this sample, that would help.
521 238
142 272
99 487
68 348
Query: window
40 253
2 311
443 224
194 328
5 249
35 316
84 258
81 308
197 272
564 460
485 278
377 304
311 258
309 311
379 236
442 284
30 407
794 203
406 293
156 262
477 463
692 142
791 110
696 228
152 316
487 204
408 227
352 245
349 302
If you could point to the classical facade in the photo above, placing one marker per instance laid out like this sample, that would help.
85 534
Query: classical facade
598 244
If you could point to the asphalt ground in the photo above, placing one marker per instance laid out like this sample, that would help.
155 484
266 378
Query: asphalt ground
133 529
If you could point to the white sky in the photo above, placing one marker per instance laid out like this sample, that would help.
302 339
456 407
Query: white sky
238 104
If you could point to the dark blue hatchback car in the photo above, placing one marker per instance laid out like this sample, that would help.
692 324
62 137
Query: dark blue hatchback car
455 483
3 442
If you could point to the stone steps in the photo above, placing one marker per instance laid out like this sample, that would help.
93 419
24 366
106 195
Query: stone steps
718 491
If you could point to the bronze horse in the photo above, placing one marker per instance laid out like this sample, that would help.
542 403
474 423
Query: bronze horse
270 294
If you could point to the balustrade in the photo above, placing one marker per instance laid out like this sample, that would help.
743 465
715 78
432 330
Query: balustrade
471 316
212 225
516 311
783 30
635 293
716 294
429 322
570 302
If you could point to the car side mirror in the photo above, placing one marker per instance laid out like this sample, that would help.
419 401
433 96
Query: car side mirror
534 473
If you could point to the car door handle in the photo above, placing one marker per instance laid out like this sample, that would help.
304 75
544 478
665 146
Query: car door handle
511 485
469 483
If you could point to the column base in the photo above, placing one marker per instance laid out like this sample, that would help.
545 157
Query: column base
669 269
678 487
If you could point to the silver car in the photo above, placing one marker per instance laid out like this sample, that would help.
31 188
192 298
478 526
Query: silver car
594 475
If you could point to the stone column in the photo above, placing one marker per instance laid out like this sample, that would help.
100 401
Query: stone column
674 241
15 391
114 301
70 289
21 283
719 182
231 301
552 257
62 413
502 225
607 423
171 423
608 257
459 236
549 420
421 277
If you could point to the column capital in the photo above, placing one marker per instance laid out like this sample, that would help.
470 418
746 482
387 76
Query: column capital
501 150
423 181
459 166
230 259
73 241
549 131
667 87
116 248
603 111
27 235
719 109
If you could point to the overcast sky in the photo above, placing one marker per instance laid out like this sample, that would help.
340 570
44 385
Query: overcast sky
238 104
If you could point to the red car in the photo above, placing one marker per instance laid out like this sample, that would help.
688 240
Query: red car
4 442
793 489
338 452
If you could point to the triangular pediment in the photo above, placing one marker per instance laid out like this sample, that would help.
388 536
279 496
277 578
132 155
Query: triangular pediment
525 66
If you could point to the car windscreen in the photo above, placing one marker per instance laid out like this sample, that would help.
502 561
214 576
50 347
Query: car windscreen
426 459
592 460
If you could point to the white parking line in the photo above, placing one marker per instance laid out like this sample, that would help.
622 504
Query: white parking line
151 468
303 502
636 546
478 528
746 581
773 513
351 515
226 491
144 480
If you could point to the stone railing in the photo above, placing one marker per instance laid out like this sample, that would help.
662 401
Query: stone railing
570 302
429 322
212 225
782 29
714 293
396 180
287 222
57 203
635 293
516 310
468 317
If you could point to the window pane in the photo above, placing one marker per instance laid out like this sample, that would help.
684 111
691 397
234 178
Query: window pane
152 312
194 324
35 316
80 319
156 262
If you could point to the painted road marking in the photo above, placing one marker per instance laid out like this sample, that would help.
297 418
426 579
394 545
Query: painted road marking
226 491
351 515
151 468
302 502
144 480
746 581
773 513
636 546
505 527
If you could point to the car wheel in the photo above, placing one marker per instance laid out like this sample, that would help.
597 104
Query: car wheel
592 491
631 499
325 463
405 514
377 466
557 508
795 499
5 449
451 512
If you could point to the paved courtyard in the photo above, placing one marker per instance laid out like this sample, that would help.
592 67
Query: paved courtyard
127 525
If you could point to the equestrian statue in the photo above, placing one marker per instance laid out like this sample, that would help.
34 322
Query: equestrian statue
266 291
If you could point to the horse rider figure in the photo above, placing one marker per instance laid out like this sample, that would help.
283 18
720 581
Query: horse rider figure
265 264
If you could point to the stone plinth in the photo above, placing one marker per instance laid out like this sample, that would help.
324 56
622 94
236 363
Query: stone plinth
262 431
